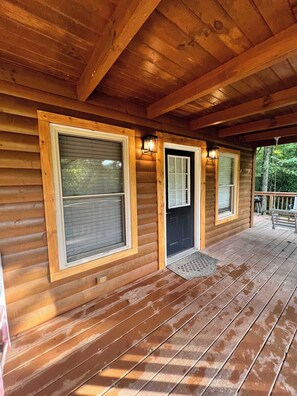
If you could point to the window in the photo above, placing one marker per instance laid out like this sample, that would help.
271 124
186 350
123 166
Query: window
93 180
178 181
227 171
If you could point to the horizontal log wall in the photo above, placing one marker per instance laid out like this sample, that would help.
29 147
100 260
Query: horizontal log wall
216 233
31 298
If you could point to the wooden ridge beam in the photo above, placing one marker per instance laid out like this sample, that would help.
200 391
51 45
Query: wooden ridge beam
262 56
276 100
261 125
128 18
271 134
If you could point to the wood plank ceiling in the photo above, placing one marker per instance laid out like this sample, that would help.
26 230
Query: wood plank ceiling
170 44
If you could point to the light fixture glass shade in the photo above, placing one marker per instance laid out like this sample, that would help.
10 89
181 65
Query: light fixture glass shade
213 153
150 144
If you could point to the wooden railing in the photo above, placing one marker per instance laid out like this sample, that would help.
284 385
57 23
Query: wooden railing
278 200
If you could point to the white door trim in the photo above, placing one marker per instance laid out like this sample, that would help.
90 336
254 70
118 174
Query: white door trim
197 190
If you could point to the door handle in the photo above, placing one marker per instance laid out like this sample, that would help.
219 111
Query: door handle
168 212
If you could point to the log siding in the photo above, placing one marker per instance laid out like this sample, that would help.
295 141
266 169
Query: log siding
32 299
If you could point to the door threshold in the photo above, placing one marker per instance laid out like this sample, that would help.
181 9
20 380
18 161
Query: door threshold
180 255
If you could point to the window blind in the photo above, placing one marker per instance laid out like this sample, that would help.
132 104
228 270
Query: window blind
226 184
93 195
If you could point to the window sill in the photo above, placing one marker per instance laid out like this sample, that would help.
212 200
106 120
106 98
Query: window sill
226 219
97 263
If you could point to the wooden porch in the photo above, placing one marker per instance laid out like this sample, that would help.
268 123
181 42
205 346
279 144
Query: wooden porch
233 332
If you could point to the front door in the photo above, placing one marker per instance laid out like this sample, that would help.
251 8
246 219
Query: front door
179 200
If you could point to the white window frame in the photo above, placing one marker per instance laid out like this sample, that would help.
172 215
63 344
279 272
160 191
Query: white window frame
233 214
55 130
188 177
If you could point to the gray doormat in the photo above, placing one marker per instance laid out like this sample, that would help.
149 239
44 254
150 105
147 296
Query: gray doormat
193 266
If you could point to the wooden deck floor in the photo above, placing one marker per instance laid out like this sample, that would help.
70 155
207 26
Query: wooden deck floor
231 333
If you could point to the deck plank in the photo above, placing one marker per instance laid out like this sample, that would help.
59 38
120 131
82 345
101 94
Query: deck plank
286 383
235 368
104 327
251 268
38 341
262 376
164 335
181 365
200 379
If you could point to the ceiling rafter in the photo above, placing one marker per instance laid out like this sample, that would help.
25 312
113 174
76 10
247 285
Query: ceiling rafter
128 18
262 56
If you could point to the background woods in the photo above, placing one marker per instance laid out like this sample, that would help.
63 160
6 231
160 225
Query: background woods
283 159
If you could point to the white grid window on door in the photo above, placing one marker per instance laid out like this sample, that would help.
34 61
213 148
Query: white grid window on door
178 181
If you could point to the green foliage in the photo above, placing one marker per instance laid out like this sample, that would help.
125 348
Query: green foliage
283 161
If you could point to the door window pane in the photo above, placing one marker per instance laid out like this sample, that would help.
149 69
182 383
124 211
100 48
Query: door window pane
171 164
178 181
171 181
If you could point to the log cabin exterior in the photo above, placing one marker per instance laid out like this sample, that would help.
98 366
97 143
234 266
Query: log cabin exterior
193 75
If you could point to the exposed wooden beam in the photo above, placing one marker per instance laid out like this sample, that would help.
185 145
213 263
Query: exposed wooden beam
263 55
128 18
261 125
276 100
271 134
271 142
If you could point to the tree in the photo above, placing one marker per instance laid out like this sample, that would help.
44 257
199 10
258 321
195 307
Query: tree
282 166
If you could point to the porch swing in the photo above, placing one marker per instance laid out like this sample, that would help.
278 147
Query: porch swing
283 217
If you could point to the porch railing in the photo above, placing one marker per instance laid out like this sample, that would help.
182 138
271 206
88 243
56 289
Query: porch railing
277 200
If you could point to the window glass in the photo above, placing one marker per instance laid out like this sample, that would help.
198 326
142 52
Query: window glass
226 185
93 196
90 166
178 181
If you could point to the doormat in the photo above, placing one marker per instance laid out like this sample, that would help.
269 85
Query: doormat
194 266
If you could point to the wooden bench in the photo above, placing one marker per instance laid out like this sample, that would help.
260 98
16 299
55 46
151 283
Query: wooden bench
284 218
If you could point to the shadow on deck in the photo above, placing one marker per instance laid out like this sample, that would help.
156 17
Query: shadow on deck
233 332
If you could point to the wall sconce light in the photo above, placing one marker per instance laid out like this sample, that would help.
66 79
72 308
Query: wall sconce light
212 153
150 144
